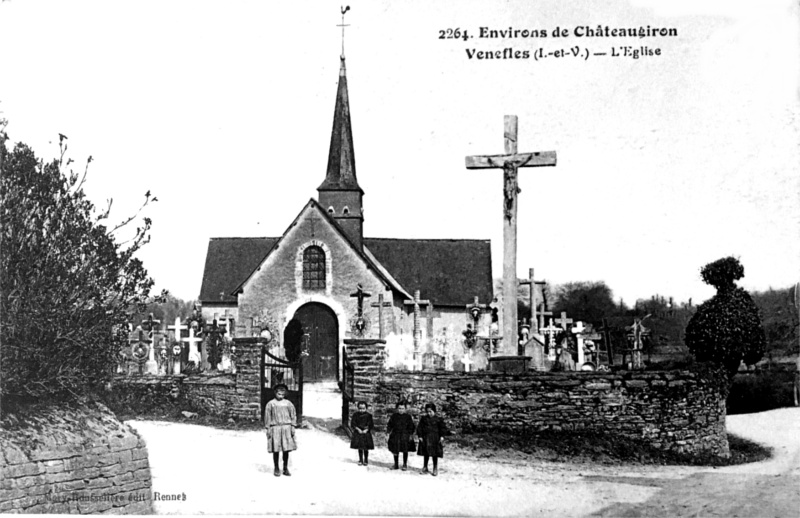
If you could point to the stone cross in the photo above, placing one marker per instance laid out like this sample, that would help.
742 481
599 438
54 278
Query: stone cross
226 321
510 162
417 302
638 331
578 329
564 321
532 283
550 331
475 309
467 362
194 354
380 305
607 339
177 328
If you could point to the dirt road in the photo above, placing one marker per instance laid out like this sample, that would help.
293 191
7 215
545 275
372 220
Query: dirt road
223 472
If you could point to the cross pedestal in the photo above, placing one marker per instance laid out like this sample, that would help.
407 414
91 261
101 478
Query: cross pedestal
510 162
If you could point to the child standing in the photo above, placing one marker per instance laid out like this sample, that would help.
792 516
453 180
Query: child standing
431 432
361 423
280 420
400 428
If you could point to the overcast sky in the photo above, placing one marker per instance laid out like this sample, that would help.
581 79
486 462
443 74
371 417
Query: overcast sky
224 110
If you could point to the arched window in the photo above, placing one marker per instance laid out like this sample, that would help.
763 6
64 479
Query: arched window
313 268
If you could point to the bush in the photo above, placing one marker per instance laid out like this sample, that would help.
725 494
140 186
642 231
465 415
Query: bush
67 285
726 329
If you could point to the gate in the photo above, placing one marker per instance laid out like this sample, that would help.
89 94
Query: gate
276 370
348 390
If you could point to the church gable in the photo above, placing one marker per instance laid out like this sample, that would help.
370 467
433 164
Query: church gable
313 257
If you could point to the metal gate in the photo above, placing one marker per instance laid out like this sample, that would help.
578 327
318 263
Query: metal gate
276 370
348 390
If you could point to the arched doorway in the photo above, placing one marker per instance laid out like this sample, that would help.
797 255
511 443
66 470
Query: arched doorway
320 324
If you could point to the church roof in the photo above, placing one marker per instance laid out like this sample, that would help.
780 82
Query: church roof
448 272
229 261
341 174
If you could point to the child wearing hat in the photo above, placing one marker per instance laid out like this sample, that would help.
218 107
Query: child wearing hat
280 420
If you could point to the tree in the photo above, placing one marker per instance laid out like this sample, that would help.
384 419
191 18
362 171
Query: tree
586 301
67 285
726 329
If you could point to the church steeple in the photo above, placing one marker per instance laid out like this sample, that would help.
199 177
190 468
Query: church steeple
340 193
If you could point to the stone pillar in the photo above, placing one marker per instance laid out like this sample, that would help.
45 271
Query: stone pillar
368 358
248 376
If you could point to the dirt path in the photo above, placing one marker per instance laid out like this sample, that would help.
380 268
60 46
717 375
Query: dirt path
224 472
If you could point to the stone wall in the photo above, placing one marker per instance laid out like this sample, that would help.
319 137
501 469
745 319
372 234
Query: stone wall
222 394
58 460
672 410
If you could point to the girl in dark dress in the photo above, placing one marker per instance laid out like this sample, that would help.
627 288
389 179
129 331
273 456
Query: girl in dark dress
431 431
361 423
400 428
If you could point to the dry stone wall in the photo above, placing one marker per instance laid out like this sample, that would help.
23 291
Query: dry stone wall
79 460
673 410
223 394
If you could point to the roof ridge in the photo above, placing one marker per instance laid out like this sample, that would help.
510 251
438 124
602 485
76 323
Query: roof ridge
244 237
427 239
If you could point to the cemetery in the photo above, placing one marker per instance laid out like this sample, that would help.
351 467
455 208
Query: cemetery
324 308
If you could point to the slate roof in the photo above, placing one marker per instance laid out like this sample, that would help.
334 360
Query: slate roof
229 261
449 272
341 172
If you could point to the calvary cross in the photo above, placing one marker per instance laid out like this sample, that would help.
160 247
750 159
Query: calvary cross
510 162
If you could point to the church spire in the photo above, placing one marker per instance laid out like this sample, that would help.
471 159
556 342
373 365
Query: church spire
340 194
341 173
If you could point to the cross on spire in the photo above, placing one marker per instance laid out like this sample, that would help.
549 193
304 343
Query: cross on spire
343 25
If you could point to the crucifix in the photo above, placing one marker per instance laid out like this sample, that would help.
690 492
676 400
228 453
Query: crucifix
417 302
380 305
475 309
361 295
510 162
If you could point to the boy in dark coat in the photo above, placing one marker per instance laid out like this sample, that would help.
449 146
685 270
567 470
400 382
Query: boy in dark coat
431 431
361 423
400 428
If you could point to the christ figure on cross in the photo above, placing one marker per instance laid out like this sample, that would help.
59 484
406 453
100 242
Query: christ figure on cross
510 162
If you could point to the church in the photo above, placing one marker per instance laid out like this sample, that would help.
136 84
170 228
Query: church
415 293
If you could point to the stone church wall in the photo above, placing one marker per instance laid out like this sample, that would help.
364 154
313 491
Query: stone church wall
277 287
66 460
674 410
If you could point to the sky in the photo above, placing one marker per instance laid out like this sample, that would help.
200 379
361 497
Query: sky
223 110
